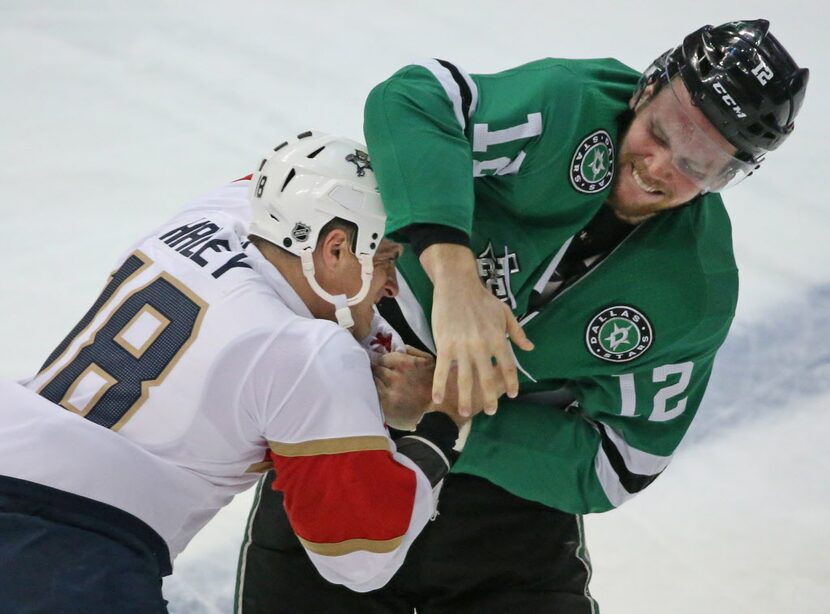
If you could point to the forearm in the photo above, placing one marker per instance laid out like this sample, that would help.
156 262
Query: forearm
558 458
353 499
430 446
421 157
337 510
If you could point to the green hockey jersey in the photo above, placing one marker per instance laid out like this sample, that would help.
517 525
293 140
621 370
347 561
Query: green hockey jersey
521 161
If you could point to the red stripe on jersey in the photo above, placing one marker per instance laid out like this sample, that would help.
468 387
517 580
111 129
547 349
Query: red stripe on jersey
333 498
245 178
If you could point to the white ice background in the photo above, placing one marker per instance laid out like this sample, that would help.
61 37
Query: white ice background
115 113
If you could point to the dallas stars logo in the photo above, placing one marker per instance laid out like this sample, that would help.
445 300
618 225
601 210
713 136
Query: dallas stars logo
495 271
592 165
619 334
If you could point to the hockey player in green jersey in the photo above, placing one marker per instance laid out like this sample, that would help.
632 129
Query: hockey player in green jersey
578 199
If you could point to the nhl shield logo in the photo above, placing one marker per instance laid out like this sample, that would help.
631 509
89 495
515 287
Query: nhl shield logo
619 334
592 165
300 232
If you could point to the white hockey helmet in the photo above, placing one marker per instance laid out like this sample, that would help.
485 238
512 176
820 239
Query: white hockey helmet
304 184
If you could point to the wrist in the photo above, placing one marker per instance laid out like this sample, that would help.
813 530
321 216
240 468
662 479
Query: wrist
449 263
440 429
449 409
431 446
421 236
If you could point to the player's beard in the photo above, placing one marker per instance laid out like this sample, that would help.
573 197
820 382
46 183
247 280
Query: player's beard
628 200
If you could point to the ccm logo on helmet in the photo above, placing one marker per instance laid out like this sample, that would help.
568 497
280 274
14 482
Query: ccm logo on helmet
727 98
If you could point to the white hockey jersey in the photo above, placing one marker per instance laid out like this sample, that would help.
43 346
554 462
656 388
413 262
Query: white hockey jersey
197 369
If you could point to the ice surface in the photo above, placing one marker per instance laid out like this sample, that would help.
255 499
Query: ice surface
115 113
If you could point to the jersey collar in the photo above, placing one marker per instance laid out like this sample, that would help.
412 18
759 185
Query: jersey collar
277 282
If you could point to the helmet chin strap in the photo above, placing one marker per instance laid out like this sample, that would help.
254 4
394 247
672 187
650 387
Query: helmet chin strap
340 301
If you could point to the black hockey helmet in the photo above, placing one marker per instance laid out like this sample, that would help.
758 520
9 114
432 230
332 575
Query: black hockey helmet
742 79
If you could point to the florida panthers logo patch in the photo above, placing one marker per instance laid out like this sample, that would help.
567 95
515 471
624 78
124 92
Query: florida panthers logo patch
361 160
619 334
592 165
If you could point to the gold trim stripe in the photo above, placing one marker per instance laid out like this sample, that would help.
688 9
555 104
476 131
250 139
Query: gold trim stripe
260 467
109 382
338 445
352 545
138 352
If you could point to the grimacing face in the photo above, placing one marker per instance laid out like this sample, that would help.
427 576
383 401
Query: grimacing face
384 276
648 179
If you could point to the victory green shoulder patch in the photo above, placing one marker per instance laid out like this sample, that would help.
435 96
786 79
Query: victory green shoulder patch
592 165
619 334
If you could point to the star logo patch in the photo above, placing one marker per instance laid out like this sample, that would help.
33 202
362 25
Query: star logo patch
619 334
592 165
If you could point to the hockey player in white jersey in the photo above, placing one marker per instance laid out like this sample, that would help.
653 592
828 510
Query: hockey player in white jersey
208 358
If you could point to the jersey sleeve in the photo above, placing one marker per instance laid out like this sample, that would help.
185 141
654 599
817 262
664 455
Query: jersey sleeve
355 502
609 444
415 124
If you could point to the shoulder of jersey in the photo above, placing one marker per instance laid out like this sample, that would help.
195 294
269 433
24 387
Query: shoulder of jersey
314 338
230 199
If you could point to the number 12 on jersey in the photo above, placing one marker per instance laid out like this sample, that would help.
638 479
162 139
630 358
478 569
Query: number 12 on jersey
661 412
483 138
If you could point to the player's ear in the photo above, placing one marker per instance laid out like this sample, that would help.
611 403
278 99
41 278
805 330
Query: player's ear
334 248
642 97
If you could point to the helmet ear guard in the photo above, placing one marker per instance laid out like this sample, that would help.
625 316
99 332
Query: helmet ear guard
303 185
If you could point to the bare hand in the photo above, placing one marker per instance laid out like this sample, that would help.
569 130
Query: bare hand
450 405
404 383
469 326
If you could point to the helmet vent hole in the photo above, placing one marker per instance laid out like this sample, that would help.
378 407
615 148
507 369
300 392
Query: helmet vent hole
290 176
755 129
704 66
315 152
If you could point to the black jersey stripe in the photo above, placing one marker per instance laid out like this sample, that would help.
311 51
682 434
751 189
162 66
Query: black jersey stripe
632 482
391 312
463 88
431 446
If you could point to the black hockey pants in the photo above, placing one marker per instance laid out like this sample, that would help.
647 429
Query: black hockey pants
488 551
